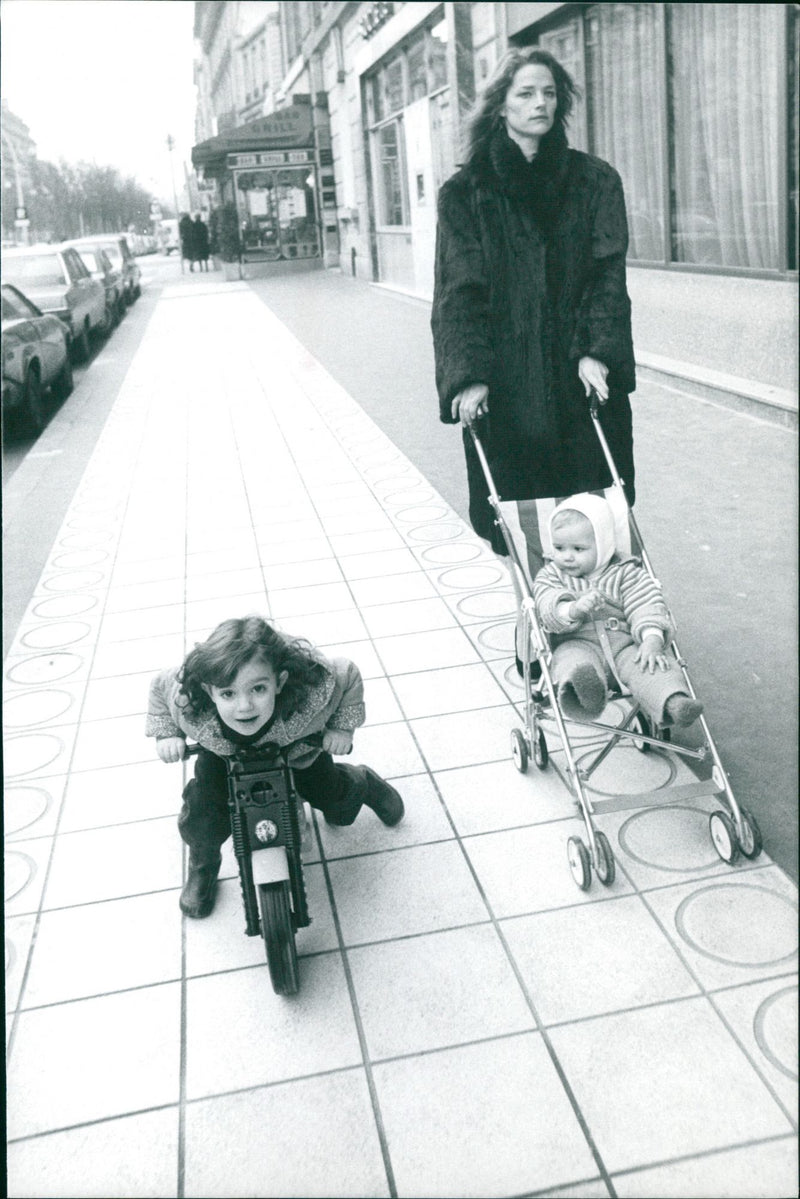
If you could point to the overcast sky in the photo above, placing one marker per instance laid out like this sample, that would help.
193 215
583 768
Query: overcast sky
103 81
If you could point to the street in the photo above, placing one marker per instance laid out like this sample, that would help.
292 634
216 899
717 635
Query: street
468 1020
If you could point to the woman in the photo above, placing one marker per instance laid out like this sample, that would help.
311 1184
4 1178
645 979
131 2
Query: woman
530 307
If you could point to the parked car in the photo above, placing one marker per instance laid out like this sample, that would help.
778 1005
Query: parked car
35 357
119 252
99 266
56 280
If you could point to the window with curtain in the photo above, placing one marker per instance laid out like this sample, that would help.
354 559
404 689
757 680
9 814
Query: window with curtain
624 54
693 91
724 75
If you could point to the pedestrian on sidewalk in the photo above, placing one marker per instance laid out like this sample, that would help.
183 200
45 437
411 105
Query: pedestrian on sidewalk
608 620
530 307
186 234
250 685
200 242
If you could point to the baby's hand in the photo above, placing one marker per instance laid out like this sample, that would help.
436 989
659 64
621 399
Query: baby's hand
171 749
589 602
337 741
650 655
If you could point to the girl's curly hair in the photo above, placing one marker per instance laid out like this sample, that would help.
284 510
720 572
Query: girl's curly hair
487 113
233 644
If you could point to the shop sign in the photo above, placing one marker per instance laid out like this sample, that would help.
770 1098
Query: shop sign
268 158
375 16
289 126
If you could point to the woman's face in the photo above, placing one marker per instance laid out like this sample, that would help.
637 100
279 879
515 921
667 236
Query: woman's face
530 104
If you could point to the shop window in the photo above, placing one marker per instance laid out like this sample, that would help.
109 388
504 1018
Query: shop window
393 91
624 53
417 76
723 83
392 201
685 101
437 56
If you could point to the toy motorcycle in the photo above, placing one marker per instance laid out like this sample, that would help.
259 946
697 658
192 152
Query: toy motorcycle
269 829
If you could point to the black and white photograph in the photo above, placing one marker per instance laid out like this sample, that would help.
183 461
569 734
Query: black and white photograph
400 599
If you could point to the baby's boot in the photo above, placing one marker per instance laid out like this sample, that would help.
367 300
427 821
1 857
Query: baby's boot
384 800
583 695
200 889
681 709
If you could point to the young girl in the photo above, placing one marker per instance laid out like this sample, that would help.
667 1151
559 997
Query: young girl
608 619
248 684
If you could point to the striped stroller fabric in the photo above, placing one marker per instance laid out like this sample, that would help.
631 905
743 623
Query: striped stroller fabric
528 523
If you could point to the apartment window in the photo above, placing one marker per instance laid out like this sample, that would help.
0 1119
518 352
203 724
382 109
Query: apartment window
686 101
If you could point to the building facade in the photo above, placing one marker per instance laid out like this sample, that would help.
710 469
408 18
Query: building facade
695 105
16 159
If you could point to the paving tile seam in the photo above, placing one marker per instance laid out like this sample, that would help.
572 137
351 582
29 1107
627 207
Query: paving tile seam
359 1024
704 1154
100 1120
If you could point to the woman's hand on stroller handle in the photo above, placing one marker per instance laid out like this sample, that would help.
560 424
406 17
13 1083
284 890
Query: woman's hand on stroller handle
593 375
471 404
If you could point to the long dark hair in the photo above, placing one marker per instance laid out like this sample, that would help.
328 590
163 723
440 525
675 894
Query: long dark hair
486 116
233 644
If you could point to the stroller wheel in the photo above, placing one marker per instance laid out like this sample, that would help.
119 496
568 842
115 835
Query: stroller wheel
579 865
540 754
604 866
640 724
750 842
723 835
519 750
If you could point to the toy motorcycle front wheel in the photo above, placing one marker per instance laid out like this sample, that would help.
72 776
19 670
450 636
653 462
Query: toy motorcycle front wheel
278 933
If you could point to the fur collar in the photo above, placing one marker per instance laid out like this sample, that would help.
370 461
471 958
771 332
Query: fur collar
539 184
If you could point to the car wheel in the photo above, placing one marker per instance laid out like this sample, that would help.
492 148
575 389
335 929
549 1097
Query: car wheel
63 384
34 403
81 345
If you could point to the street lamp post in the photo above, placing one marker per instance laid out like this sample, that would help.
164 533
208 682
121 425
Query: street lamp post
21 222
171 147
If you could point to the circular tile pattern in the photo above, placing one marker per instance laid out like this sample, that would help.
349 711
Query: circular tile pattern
77 558
85 541
44 668
74 580
674 839
630 770
442 554
498 636
422 513
487 604
775 1029
64 605
19 869
23 806
23 755
51 636
511 676
471 578
35 707
384 485
409 495
438 531
758 926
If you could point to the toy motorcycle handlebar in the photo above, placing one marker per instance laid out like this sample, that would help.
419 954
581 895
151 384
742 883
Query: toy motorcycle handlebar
279 752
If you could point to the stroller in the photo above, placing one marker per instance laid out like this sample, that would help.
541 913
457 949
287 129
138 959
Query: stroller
733 829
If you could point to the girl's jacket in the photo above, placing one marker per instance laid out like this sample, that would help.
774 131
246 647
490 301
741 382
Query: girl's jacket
337 702
634 601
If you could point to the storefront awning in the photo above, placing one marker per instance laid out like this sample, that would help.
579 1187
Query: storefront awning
288 127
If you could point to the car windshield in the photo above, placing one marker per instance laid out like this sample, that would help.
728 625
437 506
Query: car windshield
15 307
45 270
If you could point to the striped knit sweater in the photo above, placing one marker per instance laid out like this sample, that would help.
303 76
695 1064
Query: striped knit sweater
632 596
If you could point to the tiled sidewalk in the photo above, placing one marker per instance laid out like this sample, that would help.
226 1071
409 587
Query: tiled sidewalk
468 1023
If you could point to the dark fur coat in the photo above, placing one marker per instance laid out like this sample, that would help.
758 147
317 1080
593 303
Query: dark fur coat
530 277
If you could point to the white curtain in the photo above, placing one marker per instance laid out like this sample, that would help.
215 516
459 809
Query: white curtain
724 107
624 96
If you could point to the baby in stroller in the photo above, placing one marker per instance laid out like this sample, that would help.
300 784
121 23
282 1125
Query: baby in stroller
607 619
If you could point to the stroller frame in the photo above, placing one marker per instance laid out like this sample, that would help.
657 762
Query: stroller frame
732 831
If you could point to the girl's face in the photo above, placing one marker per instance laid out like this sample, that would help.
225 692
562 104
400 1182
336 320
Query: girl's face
530 103
574 547
248 702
